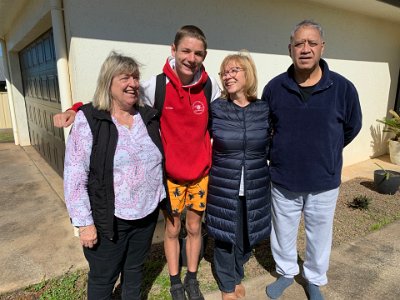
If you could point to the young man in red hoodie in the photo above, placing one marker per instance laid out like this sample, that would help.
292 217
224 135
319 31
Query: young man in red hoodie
187 147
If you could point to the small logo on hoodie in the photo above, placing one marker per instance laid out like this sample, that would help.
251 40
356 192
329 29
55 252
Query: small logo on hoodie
198 107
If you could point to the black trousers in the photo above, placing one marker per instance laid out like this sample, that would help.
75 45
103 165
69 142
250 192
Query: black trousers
125 254
229 258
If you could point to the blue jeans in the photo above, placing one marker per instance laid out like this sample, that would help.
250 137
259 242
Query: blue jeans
229 259
125 254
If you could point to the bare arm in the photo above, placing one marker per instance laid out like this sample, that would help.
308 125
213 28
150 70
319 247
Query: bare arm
66 118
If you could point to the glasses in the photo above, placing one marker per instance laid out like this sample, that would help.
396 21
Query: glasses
231 72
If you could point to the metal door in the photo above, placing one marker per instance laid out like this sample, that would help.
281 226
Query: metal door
41 92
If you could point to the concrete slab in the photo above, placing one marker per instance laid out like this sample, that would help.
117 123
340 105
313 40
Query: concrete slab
35 233
365 269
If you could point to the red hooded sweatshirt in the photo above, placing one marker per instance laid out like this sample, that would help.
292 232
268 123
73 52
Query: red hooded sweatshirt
184 133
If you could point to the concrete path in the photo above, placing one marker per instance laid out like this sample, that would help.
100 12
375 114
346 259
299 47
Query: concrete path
37 239
35 234
368 268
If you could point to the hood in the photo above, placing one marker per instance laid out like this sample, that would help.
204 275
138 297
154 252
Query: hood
199 79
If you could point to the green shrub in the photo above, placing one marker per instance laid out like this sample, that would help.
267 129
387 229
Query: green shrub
360 202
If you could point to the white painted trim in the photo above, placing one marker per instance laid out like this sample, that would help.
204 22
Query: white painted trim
61 57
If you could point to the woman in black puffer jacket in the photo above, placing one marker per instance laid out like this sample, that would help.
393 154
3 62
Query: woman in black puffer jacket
238 206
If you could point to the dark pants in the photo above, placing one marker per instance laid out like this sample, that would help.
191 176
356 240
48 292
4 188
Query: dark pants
125 254
228 258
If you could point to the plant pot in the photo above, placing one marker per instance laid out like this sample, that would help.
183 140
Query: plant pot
387 184
182 245
394 151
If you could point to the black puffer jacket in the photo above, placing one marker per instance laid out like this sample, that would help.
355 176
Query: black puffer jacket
240 138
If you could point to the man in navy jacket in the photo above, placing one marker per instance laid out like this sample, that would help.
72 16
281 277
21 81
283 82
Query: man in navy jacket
314 113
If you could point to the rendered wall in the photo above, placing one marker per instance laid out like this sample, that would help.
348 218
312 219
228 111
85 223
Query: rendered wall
364 49
361 48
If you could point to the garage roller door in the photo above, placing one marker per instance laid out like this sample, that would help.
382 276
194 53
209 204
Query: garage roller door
40 81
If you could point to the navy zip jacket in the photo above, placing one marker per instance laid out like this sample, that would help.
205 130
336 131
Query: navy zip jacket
240 139
309 136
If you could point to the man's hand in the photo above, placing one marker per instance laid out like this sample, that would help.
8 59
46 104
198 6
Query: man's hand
88 236
64 119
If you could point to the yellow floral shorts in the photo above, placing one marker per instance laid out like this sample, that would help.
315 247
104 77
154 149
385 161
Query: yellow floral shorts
193 195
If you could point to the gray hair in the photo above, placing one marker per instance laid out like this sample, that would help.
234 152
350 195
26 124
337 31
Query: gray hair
307 23
114 65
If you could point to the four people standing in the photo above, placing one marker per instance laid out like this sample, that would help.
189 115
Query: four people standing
316 110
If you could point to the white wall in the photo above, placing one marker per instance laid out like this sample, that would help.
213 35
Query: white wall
33 21
363 49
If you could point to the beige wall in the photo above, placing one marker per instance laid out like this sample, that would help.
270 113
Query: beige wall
364 49
5 117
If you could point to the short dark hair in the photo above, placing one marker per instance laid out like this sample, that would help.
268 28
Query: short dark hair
190 31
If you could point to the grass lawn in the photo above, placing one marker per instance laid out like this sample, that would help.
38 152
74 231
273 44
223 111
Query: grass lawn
6 136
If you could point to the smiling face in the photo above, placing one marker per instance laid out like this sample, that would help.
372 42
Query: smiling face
125 91
189 55
233 78
306 49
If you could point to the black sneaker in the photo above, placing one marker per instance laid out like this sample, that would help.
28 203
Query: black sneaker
192 289
177 292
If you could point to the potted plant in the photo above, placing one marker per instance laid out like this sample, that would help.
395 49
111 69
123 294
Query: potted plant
386 181
392 125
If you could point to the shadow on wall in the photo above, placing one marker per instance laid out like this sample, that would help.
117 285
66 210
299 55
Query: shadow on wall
267 30
268 25
379 140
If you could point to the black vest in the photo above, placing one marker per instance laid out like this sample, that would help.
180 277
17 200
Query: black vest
101 179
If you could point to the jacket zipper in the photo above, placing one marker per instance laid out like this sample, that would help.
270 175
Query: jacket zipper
244 152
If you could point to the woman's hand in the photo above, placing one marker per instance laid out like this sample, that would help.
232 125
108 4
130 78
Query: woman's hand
88 236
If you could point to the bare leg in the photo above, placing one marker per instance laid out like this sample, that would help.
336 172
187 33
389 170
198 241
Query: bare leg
193 242
171 243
